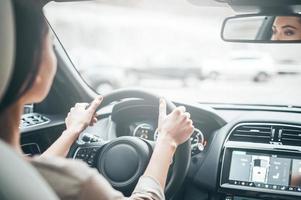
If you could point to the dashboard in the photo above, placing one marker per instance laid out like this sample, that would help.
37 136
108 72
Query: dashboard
236 154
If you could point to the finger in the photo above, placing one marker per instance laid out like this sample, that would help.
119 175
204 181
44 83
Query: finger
189 122
95 103
190 130
182 108
93 121
162 110
81 105
179 110
187 114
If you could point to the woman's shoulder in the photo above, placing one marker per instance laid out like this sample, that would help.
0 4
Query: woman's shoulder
74 179
66 176
63 166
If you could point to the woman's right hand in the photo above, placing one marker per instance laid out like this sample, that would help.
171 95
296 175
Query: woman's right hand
176 127
173 130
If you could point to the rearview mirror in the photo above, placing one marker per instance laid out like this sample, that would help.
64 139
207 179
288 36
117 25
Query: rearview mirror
262 29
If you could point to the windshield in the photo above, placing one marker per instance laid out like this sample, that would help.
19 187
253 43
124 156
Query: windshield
173 48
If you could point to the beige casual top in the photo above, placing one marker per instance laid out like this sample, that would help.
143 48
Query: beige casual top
73 179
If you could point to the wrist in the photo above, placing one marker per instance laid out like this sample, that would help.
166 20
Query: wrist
167 142
71 133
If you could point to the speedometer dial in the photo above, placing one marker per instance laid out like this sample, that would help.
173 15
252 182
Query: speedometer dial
198 142
144 131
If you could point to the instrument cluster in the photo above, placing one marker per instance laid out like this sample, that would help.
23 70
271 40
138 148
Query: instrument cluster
148 131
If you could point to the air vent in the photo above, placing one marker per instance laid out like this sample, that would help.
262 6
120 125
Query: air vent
252 133
32 119
31 149
290 135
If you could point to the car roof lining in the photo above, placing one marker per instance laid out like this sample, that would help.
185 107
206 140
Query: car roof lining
254 6
239 6
264 6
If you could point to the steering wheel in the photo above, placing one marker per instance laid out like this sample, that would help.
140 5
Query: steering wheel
124 159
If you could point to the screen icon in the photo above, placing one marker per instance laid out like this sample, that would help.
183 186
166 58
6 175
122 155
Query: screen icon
296 173
276 176
260 167
279 171
258 184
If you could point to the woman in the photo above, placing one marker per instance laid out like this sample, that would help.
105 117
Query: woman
34 70
286 28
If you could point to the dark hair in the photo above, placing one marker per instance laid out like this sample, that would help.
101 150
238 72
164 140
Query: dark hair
31 29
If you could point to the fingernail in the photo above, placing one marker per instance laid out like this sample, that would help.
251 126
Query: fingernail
98 98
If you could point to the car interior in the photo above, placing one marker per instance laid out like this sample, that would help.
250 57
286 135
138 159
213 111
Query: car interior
238 151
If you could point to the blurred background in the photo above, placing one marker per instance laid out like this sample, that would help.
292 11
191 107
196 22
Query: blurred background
173 48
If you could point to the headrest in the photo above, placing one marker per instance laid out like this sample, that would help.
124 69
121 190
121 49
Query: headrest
7 45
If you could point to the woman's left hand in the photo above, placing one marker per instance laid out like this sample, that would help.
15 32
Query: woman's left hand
80 117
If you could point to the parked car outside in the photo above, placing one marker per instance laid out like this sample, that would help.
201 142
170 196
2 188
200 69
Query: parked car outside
255 66
288 66
184 68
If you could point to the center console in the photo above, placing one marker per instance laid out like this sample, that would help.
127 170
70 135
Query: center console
260 170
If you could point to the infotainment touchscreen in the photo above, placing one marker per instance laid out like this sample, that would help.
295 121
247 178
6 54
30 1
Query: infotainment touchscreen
265 171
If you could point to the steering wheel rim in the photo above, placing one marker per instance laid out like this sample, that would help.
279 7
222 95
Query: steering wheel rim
182 156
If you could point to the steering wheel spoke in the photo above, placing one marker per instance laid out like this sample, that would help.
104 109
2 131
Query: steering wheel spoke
86 151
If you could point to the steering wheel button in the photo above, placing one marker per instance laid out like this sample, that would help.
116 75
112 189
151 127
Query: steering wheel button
90 161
